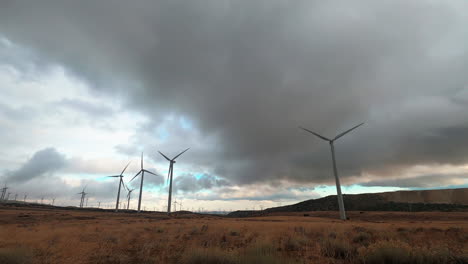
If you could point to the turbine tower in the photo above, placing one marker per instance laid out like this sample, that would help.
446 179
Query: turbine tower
335 170
142 172
169 176
120 185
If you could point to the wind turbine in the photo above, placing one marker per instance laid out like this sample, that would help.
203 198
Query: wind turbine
83 194
169 176
129 194
142 172
335 170
120 184
4 189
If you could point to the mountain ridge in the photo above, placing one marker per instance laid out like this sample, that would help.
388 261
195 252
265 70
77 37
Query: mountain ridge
413 201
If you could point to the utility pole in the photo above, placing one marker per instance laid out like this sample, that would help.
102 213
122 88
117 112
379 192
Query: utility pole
25 196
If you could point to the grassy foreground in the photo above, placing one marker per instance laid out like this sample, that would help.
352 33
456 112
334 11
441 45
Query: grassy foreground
60 236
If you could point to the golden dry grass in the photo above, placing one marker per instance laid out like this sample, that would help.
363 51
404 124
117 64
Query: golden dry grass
62 236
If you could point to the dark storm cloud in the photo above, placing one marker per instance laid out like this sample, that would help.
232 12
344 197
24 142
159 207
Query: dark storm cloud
191 183
425 181
249 72
43 163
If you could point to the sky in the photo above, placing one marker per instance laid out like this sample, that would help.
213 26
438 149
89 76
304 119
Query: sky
88 86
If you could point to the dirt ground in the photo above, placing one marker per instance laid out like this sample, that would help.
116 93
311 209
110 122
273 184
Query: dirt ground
74 236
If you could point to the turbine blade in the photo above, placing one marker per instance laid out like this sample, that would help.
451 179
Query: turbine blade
122 182
136 175
168 159
151 172
180 154
320 136
125 168
114 176
169 173
347 131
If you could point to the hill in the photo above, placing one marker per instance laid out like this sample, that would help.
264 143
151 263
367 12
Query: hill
414 201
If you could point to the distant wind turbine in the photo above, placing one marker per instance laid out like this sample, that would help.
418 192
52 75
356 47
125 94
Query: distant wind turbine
4 189
83 194
120 185
129 194
142 172
335 170
170 175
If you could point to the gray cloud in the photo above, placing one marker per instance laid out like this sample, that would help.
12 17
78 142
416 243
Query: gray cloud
425 181
91 109
43 163
247 73
41 177
191 183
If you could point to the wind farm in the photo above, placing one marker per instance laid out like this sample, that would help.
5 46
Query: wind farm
188 132
371 219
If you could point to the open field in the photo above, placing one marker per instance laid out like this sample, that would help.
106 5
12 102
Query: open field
34 235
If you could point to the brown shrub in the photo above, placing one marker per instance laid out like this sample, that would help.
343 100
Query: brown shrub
336 248
397 252
15 256
362 238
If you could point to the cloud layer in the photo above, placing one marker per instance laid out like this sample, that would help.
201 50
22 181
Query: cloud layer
247 73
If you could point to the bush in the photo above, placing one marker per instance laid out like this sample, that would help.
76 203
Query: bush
392 252
362 238
15 256
257 254
208 257
338 249
292 244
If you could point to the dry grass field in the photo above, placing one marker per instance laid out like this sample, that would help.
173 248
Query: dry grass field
73 236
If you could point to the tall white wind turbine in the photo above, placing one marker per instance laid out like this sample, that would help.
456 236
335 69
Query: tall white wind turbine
169 176
142 172
120 185
335 170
